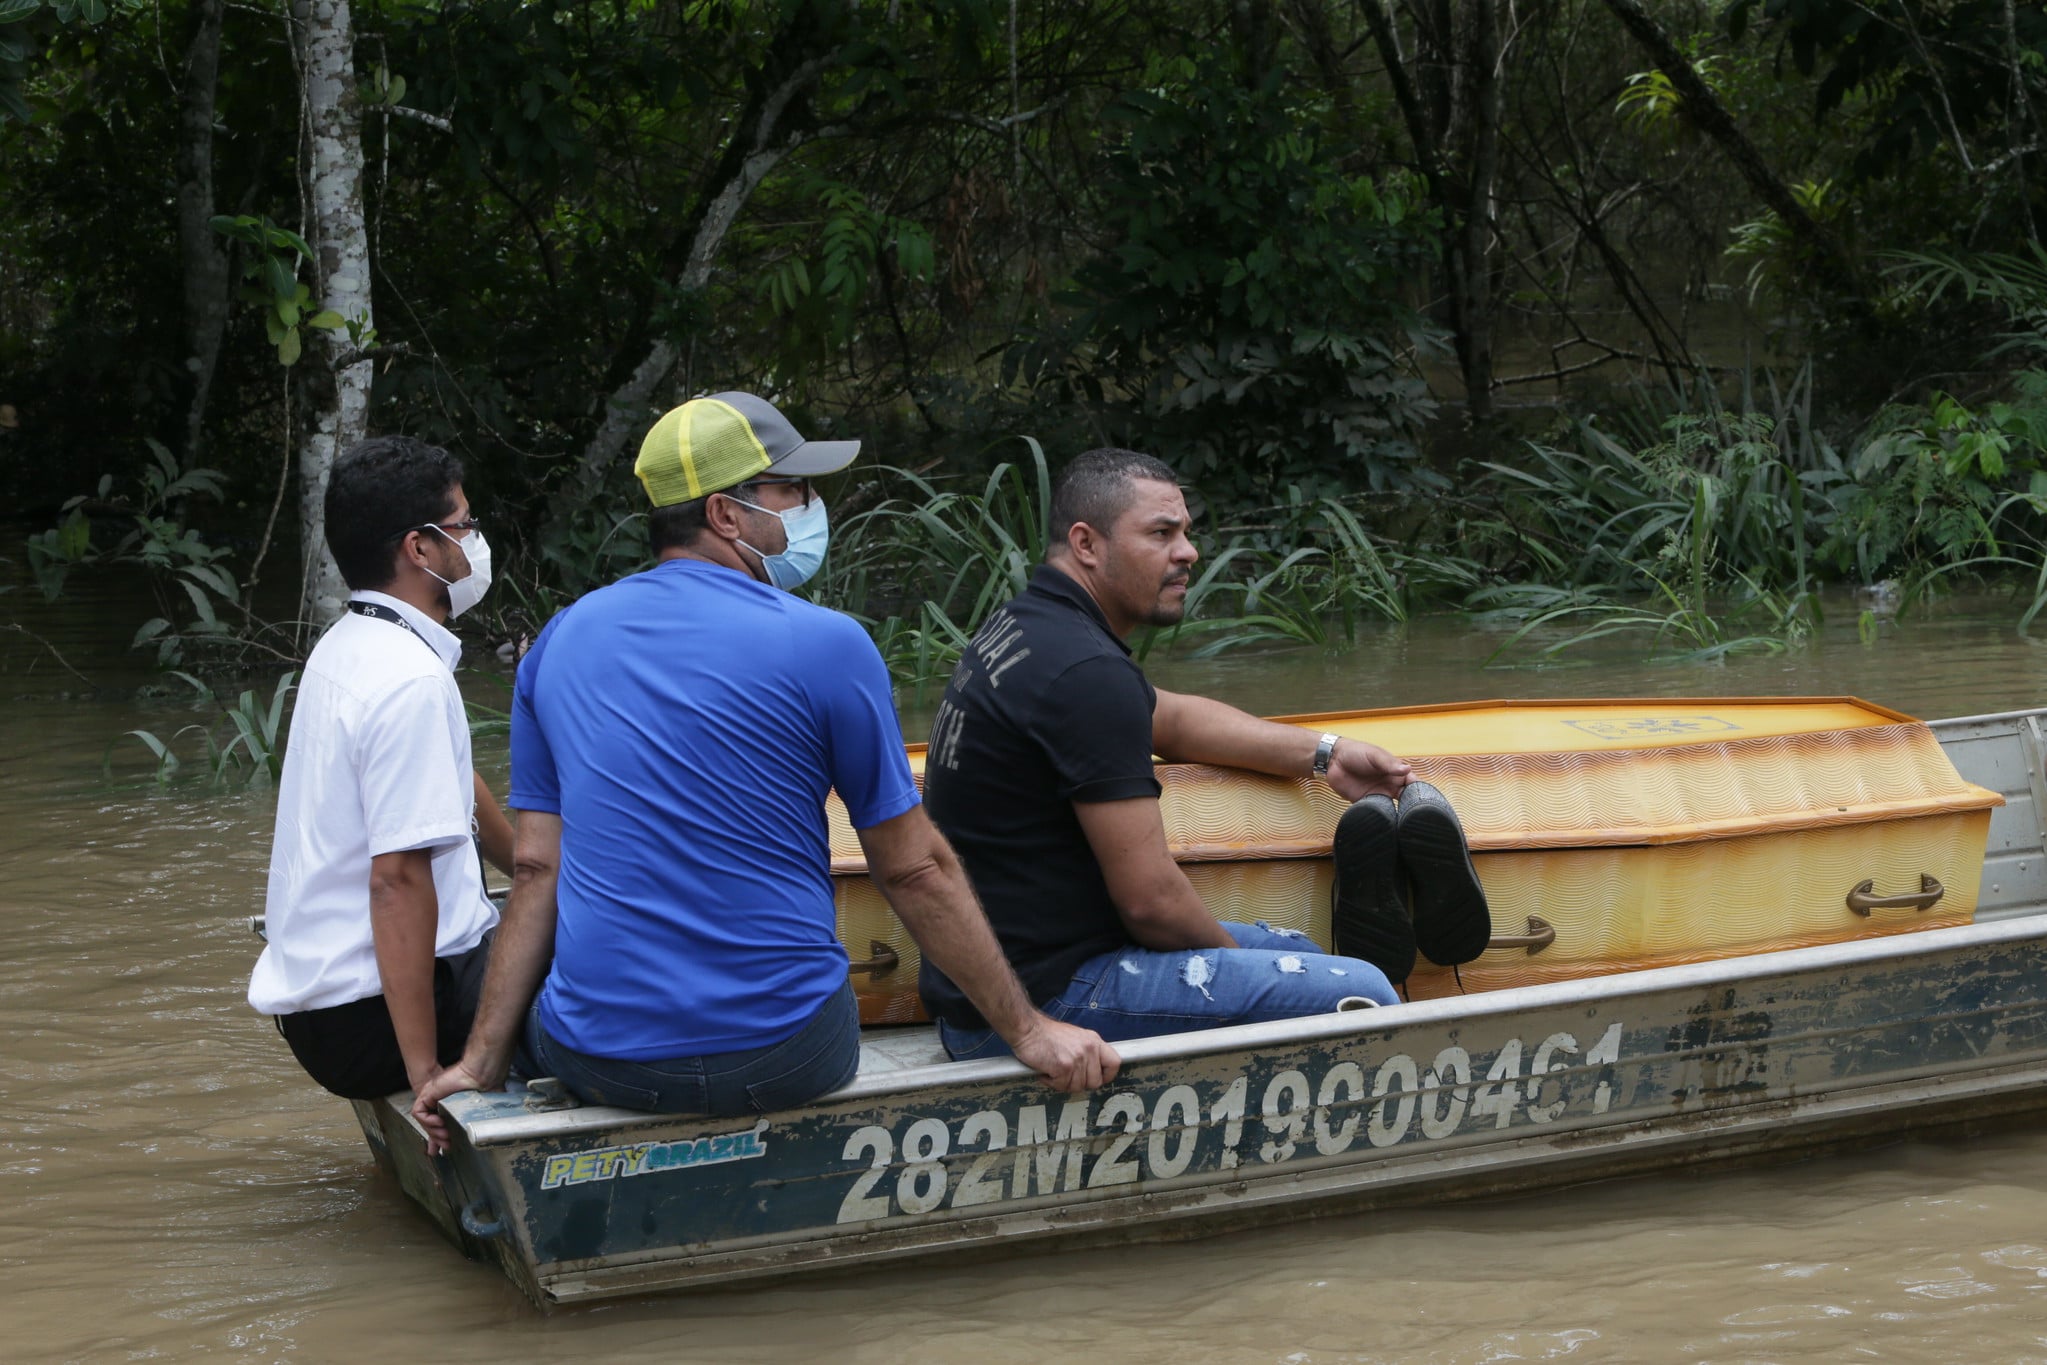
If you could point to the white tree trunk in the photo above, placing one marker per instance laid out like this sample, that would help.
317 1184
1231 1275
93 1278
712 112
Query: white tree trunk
754 152
629 411
337 376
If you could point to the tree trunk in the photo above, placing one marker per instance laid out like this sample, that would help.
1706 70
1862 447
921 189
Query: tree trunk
1471 252
336 376
1448 93
629 409
205 261
753 151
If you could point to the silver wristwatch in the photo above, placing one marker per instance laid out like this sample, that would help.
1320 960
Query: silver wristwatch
1325 749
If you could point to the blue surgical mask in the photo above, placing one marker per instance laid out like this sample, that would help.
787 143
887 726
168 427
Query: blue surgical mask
808 531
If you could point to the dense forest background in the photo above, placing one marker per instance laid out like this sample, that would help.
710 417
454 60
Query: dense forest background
1653 315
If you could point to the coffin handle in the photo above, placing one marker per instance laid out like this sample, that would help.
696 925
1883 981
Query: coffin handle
1862 901
1541 933
880 964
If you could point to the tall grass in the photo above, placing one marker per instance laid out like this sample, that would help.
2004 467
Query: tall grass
244 742
925 567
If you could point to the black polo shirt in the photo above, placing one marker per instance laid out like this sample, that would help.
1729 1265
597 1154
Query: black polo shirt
1045 709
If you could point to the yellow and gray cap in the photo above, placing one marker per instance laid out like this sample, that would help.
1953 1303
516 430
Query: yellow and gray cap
711 444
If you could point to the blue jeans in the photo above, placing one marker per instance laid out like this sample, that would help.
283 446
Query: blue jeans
1136 993
819 1057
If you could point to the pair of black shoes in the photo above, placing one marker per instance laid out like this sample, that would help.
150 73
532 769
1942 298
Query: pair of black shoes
1417 848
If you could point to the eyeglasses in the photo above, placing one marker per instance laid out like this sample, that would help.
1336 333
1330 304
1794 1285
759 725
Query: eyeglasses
471 524
802 485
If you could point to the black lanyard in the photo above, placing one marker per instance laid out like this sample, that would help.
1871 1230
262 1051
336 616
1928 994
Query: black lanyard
377 611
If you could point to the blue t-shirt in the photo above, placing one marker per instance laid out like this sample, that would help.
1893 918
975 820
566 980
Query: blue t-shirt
686 723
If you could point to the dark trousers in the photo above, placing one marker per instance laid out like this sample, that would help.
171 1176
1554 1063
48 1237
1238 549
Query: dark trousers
352 1050
818 1058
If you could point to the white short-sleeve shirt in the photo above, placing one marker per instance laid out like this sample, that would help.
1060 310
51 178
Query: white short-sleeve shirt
378 762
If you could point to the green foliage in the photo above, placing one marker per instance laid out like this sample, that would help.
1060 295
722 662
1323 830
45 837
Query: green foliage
26 28
2015 283
1249 307
188 577
1735 515
925 567
598 542
1681 624
1915 74
1933 483
1714 486
243 743
1766 243
270 283
820 284
1316 593
1650 102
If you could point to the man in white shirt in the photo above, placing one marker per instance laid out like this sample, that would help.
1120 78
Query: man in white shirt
377 921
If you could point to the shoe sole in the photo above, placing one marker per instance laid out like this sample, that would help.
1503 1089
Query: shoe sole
1452 923
1368 919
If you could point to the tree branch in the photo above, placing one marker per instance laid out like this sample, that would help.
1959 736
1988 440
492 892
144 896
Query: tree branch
1701 107
434 121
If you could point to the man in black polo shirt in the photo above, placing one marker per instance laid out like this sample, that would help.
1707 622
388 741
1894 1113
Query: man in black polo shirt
1040 774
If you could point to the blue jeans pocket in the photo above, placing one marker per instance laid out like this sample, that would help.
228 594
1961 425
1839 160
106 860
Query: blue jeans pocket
594 1080
822 1056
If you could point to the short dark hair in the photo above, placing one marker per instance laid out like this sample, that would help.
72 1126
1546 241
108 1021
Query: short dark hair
1096 489
677 525
377 491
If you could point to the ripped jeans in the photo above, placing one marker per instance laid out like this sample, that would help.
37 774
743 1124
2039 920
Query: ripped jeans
1137 993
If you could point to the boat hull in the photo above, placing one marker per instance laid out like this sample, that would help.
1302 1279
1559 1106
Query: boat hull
1509 1090
1522 1088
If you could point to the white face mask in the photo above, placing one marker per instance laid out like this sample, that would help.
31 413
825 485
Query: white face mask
464 593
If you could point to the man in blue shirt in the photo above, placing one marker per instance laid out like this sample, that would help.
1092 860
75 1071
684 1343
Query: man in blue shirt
669 944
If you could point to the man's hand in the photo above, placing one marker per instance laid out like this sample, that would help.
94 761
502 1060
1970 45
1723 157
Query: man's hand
446 1082
1070 1059
1358 769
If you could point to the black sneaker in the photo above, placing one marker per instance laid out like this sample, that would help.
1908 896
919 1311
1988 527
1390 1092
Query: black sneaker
1368 919
1451 922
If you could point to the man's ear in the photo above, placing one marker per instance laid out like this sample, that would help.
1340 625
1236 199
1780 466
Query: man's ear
721 516
411 551
1084 543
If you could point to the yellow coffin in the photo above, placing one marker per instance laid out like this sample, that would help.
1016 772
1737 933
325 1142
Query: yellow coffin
1610 835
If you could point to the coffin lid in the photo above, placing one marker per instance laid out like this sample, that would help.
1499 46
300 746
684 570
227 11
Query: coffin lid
1576 774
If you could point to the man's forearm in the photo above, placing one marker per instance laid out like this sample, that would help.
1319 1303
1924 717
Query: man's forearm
937 905
1188 729
404 924
493 828
519 958
1171 917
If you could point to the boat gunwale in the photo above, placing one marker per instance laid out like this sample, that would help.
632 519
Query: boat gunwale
498 1130
1533 703
1568 703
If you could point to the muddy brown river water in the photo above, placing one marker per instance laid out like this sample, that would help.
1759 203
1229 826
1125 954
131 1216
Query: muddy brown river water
172 1188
